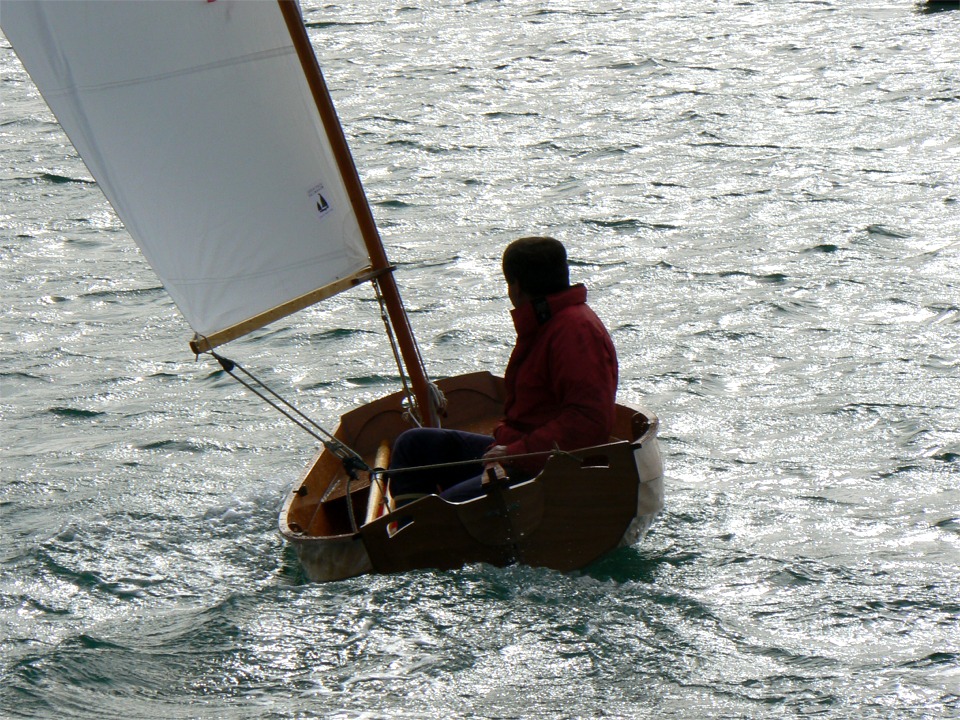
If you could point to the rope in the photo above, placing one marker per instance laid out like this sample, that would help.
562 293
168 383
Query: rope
350 458
462 463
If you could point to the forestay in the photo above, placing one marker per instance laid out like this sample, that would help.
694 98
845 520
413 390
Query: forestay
196 120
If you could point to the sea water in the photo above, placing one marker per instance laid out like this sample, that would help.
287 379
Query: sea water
764 201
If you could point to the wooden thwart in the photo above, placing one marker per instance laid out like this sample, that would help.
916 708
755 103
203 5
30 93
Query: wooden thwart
377 484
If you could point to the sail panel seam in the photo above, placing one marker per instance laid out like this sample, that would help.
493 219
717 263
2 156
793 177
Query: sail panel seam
194 70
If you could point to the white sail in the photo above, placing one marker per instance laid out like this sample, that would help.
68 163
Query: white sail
197 122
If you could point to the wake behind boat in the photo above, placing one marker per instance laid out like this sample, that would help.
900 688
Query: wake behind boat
210 129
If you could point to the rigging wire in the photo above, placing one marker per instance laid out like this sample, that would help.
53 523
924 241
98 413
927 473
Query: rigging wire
407 392
350 457
437 398
477 461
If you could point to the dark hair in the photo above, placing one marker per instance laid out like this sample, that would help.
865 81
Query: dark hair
537 264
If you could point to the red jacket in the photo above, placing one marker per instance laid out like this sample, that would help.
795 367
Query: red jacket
561 379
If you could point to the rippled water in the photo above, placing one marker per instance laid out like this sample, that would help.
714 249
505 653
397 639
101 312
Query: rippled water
764 201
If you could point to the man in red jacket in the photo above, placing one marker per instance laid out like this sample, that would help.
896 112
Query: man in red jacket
561 384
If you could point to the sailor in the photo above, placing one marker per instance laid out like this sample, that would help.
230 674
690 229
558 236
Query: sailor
561 385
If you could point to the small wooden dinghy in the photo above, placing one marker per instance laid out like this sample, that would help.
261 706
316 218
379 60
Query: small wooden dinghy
583 505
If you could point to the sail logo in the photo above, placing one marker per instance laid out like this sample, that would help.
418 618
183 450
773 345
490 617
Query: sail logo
318 200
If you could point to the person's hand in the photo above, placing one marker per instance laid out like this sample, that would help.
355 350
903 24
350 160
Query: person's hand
492 469
494 454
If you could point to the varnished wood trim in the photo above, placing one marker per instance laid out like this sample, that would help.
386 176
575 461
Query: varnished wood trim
205 343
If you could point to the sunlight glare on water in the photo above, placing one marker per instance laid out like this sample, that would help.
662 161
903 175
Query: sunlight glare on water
763 201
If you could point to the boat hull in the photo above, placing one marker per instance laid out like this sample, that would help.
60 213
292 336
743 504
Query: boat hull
583 505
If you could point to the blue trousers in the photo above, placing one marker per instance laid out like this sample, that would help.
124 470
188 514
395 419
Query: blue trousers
431 446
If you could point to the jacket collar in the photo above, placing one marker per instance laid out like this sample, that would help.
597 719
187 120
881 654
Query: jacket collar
530 316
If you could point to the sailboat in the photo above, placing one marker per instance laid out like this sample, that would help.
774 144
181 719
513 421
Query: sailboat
209 127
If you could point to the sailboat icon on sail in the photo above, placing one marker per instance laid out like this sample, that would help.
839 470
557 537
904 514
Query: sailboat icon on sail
321 203
107 72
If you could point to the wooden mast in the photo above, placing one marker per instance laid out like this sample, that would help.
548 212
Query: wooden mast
358 199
